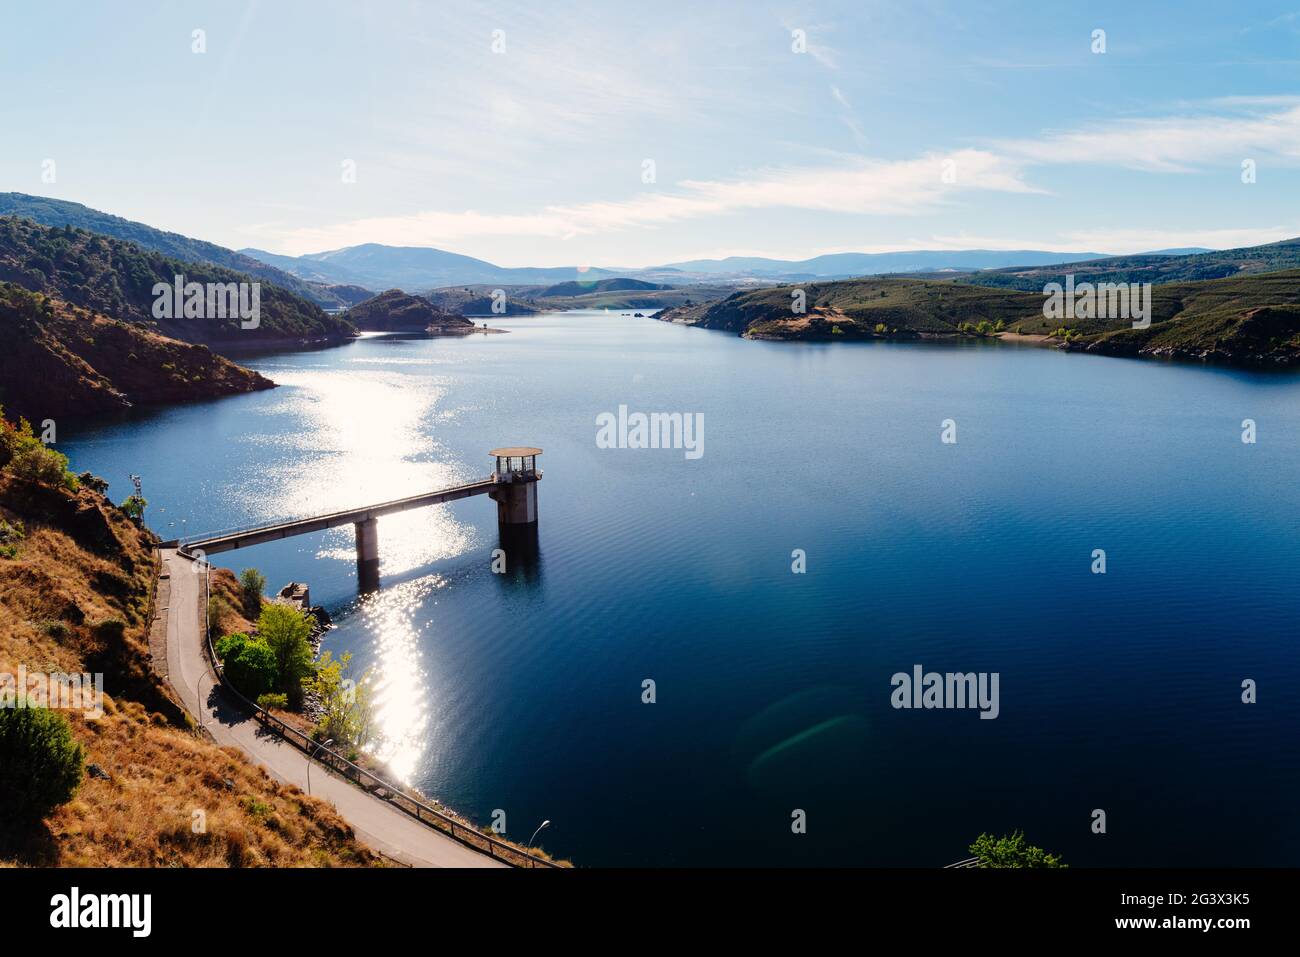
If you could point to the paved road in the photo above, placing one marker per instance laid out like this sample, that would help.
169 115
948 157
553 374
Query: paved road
376 822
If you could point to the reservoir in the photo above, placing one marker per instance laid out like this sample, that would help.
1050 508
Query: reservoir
524 691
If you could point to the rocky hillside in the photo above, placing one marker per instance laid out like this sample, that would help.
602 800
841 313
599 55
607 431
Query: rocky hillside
76 580
1245 320
57 359
116 279
395 311
859 309
1251 319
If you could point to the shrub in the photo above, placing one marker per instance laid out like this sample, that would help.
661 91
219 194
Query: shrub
93 482
133 507
273 699
229 643
42 466
10 536
286 631
42 764
250 666
251 585
111 629
1011 851
217 612
881 328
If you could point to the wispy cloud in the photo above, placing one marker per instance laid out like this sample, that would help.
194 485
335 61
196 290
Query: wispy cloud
879 187
857 186
1168 145
1119 241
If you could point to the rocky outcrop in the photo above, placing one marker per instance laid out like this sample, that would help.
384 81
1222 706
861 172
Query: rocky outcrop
396 311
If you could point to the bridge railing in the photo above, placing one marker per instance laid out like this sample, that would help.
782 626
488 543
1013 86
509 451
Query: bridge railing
194 540
377 786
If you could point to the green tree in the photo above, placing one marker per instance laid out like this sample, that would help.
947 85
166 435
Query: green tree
42 763
347 711
133 507
27 457
249 664
251 585
1011 851
287 631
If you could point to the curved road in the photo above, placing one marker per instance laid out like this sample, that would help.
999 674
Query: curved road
377 823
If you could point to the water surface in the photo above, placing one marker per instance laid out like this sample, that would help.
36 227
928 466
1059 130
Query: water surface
523 692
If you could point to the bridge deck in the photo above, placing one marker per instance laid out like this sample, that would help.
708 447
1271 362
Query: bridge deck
228 541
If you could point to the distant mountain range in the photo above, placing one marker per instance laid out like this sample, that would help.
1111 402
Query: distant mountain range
412 268
420 268
846 265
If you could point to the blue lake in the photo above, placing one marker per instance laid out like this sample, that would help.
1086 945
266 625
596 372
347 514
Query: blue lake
523 692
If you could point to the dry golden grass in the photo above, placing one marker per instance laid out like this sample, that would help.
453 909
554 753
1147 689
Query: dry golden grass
53 593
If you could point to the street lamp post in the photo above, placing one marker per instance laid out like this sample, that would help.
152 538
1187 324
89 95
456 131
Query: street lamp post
536 832
311 754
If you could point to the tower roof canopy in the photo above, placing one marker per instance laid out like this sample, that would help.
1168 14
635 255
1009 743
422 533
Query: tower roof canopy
514 452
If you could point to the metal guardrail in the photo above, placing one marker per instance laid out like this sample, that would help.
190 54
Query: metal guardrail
969 862
377 786
190 541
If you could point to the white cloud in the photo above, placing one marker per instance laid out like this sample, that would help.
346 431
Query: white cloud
882 187
857 186
1168 145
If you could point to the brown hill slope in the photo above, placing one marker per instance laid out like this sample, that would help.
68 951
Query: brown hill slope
57 359
75 584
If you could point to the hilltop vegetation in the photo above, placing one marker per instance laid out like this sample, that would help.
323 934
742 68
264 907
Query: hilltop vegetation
593 294
1247 319
57 360
76 579
1218 264
58 213
860 309
394 311
116 278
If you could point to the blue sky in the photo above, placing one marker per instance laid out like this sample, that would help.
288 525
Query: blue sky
903 125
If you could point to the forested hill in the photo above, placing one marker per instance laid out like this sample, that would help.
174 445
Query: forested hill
116 278
59 212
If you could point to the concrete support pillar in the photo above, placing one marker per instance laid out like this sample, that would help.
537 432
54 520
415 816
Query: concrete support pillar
368 554
516 504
